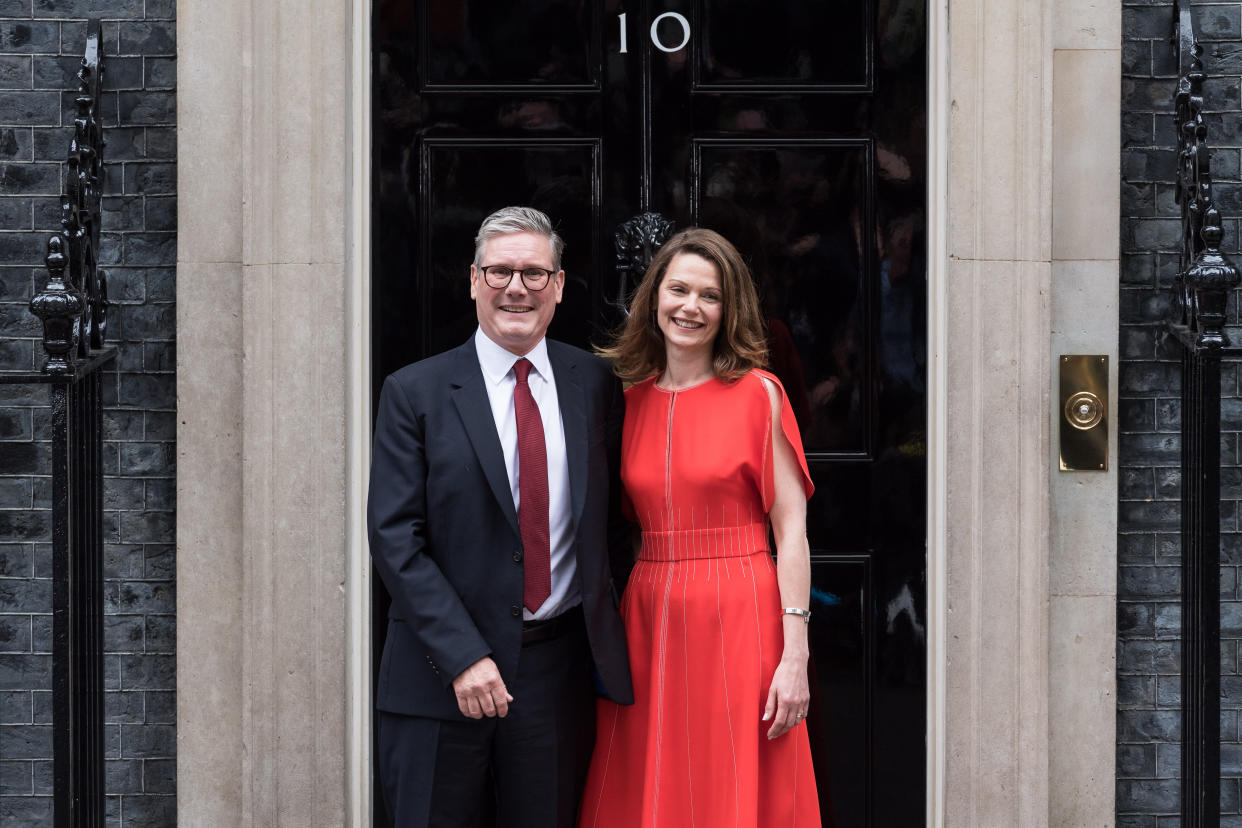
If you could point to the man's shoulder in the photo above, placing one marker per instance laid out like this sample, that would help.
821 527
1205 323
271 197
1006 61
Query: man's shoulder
585 360
431 369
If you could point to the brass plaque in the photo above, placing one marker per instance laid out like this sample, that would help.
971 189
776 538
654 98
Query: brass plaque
1084 412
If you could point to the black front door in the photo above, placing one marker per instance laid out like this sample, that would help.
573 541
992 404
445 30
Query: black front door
796 129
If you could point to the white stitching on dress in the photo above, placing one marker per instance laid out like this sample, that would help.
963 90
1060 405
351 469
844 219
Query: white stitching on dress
724 673
794 795
603 778
685 650
662 661
754 589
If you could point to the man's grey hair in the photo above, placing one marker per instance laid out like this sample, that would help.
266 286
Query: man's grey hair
517 220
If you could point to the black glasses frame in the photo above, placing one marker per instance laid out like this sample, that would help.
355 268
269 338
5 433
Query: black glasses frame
543 276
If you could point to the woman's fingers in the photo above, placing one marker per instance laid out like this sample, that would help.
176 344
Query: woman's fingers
781 719
790 712
788 700
770 709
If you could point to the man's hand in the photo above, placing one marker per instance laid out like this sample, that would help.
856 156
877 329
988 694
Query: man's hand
481 691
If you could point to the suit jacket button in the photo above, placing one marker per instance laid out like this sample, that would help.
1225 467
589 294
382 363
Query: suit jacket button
515 611
517 555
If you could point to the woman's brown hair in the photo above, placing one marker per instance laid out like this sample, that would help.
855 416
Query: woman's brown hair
638 352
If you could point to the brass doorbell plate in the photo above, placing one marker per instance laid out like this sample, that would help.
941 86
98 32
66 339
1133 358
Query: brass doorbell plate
1084 412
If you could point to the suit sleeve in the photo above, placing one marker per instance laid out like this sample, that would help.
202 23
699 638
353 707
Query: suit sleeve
620 549
397 529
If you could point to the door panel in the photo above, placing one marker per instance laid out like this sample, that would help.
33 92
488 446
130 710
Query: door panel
472 42
748 43
842 638
796 129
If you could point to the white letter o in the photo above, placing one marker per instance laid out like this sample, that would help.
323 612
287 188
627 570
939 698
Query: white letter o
685 32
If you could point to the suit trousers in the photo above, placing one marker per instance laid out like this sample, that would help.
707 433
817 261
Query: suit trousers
525 770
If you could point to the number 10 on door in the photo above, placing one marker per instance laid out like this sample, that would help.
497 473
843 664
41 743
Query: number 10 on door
655 34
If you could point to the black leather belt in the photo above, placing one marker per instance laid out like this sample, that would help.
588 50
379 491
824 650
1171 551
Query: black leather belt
534 632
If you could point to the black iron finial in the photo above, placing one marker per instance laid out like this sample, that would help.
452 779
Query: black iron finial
76 284
1205 275
59 306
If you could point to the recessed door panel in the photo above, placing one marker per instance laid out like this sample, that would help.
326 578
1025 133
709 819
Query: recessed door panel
534 42
839 721
749 43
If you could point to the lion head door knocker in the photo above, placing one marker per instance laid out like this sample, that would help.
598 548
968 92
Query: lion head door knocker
637 241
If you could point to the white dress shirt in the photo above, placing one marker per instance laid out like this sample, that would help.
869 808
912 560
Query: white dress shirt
498 377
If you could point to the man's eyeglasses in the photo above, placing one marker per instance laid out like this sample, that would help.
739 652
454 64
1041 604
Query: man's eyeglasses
499 276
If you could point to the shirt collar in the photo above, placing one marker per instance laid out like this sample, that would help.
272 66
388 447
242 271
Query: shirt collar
497 362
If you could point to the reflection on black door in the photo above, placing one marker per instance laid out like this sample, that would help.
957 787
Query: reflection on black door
796 129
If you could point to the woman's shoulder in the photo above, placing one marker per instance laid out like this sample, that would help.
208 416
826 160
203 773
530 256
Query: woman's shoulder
758 382
639 389
756 395
765 378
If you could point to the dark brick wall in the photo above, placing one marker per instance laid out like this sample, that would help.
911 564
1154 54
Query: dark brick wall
41 43
1149 580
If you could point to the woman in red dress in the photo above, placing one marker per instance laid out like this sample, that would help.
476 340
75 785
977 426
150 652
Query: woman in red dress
711 456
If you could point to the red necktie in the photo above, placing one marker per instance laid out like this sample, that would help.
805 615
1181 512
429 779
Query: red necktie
533 492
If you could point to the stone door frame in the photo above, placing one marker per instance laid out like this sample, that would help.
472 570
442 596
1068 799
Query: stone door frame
273 378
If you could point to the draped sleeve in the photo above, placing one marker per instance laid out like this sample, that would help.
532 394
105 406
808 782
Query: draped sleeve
789 428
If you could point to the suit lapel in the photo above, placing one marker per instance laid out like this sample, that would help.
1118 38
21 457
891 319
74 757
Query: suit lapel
573 418
475 410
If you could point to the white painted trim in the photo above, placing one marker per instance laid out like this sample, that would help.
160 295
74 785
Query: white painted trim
937 403
358 804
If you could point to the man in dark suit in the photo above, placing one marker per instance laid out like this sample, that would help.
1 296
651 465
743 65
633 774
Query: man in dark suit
494 523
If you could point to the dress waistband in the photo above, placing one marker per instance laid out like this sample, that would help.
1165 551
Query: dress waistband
697 544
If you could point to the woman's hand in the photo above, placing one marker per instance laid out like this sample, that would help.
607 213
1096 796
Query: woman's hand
788 698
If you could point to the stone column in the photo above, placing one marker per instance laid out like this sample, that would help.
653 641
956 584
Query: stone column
999 193
1086 167
264 164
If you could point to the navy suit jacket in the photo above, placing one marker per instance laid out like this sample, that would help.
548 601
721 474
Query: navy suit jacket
444 532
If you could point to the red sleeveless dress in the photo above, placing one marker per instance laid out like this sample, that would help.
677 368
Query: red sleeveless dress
702 615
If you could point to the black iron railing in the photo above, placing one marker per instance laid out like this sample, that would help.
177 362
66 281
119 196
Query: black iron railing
1197 320
73 307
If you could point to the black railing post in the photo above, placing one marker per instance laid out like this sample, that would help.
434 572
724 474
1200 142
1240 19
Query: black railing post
1200 588
1197 319
64 714
73 307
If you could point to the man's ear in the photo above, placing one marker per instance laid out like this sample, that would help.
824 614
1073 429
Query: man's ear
474 275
